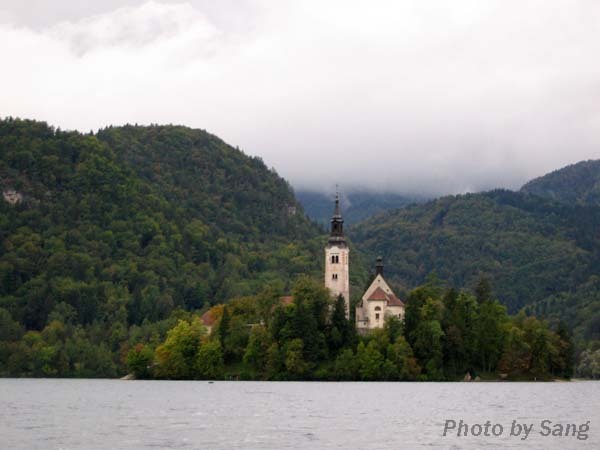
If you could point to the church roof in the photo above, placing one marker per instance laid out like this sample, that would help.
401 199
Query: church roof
380 295
395 301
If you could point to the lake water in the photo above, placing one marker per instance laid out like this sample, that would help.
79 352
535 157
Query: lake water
115 414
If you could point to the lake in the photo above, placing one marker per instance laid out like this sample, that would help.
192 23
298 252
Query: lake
116 414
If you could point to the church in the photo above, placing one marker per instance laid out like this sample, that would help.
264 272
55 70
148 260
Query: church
378 301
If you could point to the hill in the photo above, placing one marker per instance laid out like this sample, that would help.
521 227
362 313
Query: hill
109 233
533 250
577 184
357 205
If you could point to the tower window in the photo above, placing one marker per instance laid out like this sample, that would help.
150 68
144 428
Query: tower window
334 276
335 259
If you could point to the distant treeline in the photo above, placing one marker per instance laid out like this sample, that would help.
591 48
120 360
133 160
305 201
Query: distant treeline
446 334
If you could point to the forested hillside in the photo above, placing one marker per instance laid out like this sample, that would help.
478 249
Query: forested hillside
108 240
103 235
577 184
534 251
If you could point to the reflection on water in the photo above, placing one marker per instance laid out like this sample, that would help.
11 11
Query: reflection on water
115 414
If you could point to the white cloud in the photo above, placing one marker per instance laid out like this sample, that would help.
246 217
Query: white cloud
135 27
413 95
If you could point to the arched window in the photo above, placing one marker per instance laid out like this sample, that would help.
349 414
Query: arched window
337 259
334 276
378 308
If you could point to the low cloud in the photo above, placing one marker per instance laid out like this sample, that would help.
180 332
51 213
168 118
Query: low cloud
434 97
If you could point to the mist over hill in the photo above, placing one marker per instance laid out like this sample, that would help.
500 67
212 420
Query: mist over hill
357 204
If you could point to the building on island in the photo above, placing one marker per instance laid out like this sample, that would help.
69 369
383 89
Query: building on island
377 303
337 259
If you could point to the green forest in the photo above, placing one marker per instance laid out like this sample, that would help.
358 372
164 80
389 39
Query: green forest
446 335
541 256
118 232
576 184
114 243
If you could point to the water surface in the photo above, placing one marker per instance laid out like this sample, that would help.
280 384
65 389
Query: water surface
115 414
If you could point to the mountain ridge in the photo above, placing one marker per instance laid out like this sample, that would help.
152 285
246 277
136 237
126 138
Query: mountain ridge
577 183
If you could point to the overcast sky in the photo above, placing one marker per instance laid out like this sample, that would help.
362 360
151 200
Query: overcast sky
411 96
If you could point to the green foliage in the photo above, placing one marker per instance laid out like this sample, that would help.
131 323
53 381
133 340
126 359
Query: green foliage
589 365
370 361
526 246
119 230
140 360
176 357
257 349
295 364
452 334
401 355
346 366
209 361
123 237
575 184
537 254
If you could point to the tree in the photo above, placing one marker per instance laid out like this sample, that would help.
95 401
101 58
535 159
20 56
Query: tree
257 348
339 329
562 364
10 330
370 361
140 360
401 355
491 333
294 360
515 358
223 327
428 348
176 357
275 362
346 366
209 361
393 327
483 291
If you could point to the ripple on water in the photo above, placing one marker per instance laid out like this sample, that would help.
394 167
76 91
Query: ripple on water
38 414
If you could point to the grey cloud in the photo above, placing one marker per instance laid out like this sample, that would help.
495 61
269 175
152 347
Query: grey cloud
435 97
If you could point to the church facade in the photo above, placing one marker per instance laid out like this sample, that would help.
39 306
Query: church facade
378 301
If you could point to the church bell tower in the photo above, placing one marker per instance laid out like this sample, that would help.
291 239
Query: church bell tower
337 263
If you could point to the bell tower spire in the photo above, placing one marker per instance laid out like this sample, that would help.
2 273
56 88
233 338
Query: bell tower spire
337 258
337 223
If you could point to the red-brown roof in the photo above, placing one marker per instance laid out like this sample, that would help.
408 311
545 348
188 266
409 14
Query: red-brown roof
380 295
395 301
208 319
286 300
